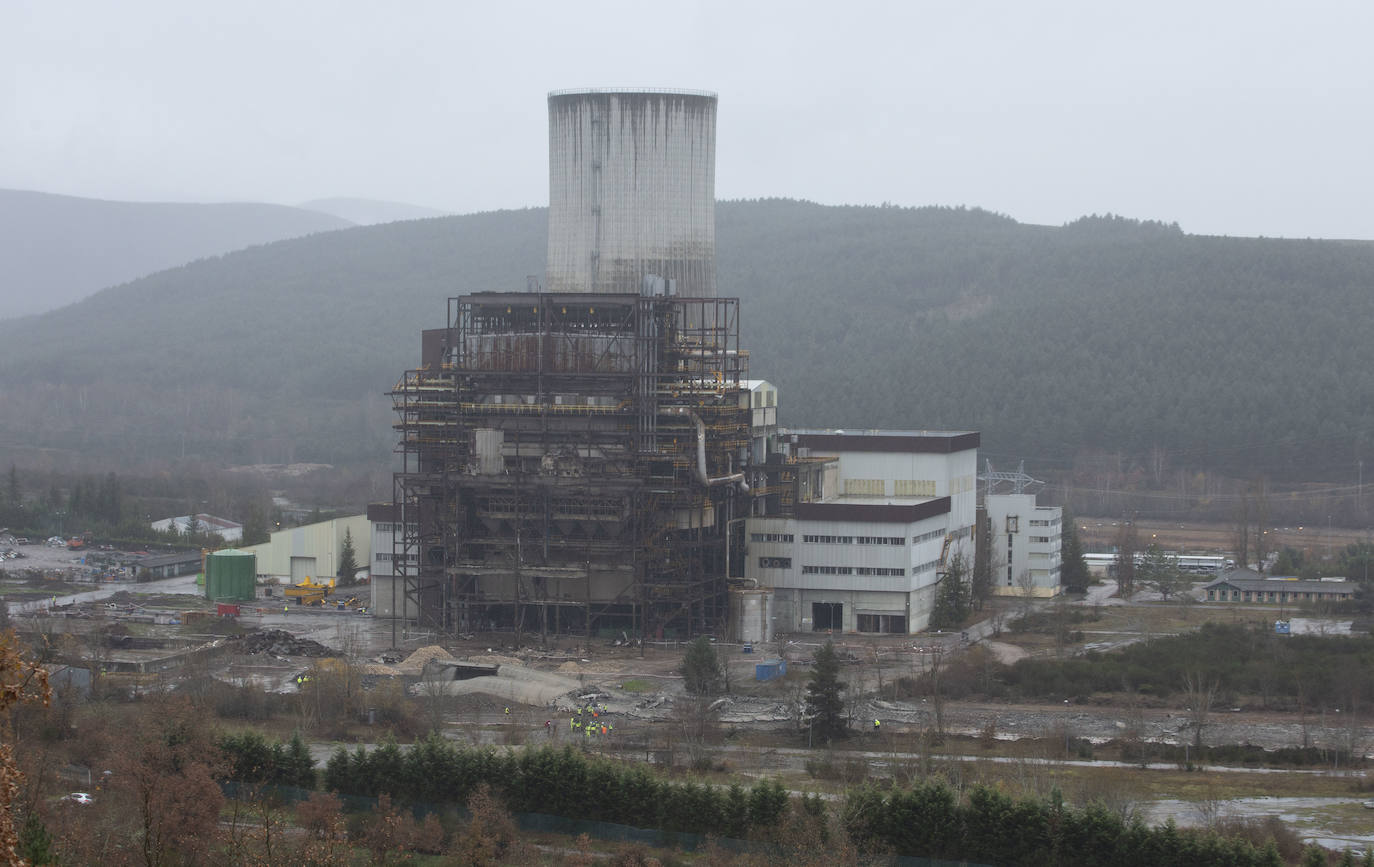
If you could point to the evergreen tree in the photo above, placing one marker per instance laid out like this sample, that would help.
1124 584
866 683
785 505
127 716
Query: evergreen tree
254 525
1073 570
110 499
35 843
824 702
348 559
1159 572
701 670
1125 559
980 586
953 598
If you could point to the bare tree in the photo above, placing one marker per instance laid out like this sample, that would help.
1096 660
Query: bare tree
698 723
1025 588
935 687
1242 540
434 691
1201 692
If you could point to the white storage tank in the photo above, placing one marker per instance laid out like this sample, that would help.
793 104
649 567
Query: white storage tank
751 616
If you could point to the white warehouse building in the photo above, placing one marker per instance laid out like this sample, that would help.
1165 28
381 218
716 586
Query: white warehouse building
1024 545
862 527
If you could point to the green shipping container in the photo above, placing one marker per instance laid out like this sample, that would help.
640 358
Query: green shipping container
231 576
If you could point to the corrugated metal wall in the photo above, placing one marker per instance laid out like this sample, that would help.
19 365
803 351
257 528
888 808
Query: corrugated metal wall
322 541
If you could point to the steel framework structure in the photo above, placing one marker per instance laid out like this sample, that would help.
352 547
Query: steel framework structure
574 463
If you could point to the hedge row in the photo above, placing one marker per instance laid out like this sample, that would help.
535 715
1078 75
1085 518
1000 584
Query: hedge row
988 826
560 782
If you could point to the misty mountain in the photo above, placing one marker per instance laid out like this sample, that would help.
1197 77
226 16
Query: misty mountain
59 249
1105 335
370 212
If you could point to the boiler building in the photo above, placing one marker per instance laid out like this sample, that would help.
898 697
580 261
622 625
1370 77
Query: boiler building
574 456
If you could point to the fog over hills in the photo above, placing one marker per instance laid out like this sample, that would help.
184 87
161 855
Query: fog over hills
1105 335
369 212
59 249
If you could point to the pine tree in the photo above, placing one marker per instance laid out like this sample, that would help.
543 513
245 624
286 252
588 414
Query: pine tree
254 525
1073 570
1126 546
953 598
348 559
35 843
700 668
824 703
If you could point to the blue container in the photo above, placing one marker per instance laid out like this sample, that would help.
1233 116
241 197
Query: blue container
770 670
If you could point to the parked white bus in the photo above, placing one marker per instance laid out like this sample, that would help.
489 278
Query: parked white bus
1105 564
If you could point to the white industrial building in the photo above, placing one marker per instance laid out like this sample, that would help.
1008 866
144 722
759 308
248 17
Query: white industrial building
229 531
1024 542
313 551
852 531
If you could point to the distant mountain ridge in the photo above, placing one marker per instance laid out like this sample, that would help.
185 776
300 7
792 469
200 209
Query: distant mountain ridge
370 212
60 249
1105 336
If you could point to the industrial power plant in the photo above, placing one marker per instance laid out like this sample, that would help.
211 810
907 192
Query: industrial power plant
588 456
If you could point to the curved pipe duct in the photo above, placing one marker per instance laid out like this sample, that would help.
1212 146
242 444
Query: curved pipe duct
706 480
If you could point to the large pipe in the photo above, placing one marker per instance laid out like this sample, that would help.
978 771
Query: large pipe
701 454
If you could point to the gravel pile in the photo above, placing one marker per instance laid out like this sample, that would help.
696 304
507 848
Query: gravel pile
278 643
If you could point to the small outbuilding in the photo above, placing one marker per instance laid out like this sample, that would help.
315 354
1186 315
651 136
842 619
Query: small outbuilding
1243 585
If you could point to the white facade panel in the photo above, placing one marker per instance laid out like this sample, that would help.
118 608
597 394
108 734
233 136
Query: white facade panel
1025 547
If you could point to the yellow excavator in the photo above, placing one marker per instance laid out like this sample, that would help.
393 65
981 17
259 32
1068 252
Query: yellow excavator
309 592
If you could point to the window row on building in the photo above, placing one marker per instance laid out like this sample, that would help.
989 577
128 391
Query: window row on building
852 540
770 537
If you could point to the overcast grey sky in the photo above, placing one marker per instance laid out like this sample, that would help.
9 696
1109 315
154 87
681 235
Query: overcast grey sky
1240 118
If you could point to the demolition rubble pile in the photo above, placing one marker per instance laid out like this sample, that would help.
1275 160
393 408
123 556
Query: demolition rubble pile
277 643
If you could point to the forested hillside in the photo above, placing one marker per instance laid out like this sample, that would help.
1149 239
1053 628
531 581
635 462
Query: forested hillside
59 249
369 212
1105 335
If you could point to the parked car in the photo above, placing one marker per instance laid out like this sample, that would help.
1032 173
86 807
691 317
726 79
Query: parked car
79 798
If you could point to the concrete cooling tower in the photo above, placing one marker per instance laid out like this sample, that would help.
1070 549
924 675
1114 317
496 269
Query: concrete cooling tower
632 177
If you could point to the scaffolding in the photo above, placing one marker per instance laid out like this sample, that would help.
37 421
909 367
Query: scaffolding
574 463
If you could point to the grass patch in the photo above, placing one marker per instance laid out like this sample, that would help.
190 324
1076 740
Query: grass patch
639 684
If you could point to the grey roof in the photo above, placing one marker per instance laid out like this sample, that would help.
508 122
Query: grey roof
1244 579
168 559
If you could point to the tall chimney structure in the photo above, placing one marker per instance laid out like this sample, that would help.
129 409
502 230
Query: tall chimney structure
632 180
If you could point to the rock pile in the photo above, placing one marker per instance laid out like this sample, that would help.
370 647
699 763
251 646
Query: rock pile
277 643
